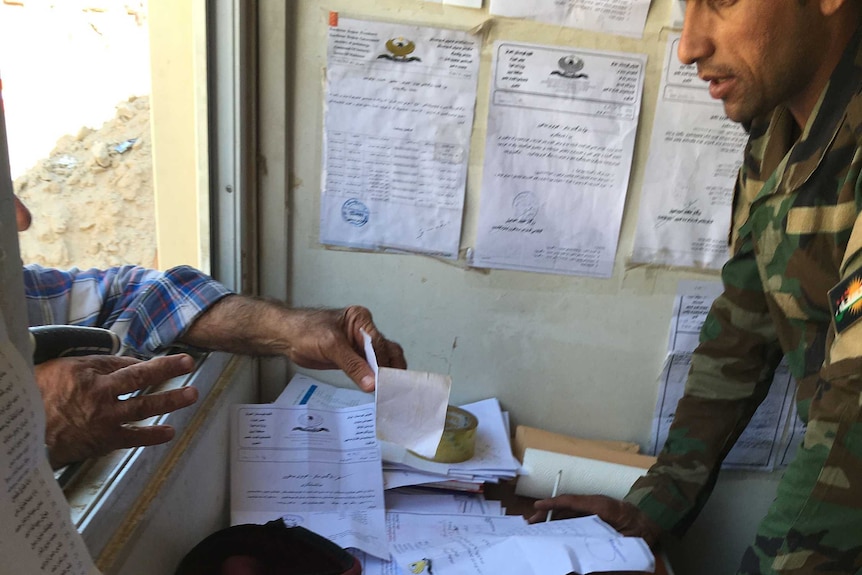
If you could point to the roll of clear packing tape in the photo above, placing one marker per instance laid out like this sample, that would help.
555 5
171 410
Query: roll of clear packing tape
458 442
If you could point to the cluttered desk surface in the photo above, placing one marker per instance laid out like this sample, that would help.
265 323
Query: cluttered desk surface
520 505
312 458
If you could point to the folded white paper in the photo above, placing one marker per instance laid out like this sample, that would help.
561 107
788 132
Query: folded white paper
411 405
411 408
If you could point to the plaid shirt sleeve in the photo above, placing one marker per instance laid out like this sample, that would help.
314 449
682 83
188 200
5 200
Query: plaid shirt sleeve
148 309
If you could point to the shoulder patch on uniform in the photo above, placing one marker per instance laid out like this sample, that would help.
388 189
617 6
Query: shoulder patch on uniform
845 299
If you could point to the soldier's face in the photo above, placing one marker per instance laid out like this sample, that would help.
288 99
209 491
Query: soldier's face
755 54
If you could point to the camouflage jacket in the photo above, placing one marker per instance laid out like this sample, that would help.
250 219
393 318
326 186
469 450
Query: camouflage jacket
796 235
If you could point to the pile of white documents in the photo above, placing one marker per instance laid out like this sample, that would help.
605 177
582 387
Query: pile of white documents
312 459
458 534
492 459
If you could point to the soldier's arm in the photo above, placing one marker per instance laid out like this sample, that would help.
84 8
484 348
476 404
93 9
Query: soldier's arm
730 375
731 372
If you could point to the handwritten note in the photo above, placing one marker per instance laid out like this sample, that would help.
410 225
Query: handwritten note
451 545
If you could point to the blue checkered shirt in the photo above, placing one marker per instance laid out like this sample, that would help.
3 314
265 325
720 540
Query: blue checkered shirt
148 309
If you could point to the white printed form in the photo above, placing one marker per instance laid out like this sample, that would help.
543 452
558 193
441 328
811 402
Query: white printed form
398 118
319 468
695 153
624 17
561 133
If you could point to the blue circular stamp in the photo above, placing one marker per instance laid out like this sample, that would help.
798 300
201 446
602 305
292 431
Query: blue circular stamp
354 212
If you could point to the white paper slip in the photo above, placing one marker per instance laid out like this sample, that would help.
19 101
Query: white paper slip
411 408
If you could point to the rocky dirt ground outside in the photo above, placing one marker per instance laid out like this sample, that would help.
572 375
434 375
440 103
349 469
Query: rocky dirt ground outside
75 88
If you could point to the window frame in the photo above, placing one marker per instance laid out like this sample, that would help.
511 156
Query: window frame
109 495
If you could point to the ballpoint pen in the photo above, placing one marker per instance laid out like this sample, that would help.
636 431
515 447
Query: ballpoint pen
554 493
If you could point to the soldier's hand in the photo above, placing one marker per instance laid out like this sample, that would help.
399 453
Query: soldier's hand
86 418
621 515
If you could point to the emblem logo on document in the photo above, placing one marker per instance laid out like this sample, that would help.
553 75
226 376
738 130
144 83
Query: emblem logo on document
400 49
525 206
310 423
570 67
354 212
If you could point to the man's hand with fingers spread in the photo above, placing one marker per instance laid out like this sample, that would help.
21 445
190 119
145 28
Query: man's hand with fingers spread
85 416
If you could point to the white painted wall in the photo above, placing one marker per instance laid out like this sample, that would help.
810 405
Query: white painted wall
572 355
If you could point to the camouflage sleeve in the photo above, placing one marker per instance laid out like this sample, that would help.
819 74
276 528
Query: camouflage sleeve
828 465
731 372
814 522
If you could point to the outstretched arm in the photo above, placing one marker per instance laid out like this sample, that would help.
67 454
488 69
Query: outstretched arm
312 338
151 310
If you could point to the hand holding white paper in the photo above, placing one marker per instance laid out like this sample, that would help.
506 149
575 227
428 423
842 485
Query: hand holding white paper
411 405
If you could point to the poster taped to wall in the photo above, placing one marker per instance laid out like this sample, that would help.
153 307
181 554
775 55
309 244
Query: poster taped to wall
623 17
695 153
558 154
397 123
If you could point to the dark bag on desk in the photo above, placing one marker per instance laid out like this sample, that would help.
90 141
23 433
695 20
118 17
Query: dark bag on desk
271 549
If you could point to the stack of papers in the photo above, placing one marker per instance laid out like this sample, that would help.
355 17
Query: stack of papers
312 458
491 461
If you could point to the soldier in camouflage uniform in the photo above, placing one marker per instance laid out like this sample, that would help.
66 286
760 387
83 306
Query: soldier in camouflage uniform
793 287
